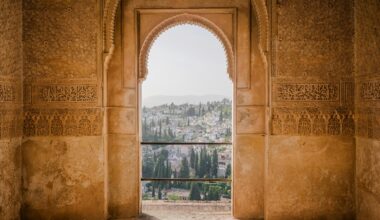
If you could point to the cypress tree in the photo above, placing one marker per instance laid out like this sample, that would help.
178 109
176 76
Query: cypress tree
192 158
184 171
196 165
228 171
215 164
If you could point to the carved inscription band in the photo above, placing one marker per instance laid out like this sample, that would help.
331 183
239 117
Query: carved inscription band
67 93
307 92
370 90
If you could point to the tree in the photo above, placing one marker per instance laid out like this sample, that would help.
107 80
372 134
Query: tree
202 163
184 171
148 166
228 171
160 129
195 193
196 165
153 191
214 193
192 158
221 116
208 165
215 164
159 193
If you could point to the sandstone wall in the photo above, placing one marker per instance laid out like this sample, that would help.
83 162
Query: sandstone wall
10 107
311 152
367 76
309 155
63 154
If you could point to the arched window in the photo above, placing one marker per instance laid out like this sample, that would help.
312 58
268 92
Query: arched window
186 120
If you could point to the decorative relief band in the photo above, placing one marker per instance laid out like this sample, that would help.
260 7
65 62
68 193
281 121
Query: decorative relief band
368 123
370 90
10 124
312 121
62 122
7 93
307 92
67 93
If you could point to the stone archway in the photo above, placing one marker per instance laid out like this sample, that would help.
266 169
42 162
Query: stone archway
128 35
185 18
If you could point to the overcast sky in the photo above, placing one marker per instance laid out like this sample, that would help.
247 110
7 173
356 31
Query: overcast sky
187 60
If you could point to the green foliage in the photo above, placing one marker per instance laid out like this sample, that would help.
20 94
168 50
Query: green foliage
228 171
195 193
192 158
184 171
215 164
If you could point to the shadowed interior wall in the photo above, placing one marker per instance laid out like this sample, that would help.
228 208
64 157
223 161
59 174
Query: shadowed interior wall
62 151
367 76
10 108
311 152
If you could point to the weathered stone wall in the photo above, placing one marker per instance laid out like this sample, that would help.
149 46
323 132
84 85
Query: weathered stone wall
309 155
311 152
10 108
63 154
367 78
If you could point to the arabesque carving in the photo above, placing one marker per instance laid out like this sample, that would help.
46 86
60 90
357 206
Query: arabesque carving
62 122
10 124
67 93
7 93
312 122
307 91
368 123
370 90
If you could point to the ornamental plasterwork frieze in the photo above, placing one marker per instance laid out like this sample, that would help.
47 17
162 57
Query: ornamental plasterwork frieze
61 95
66 93
307 91
312 94
313 122
369 91
62 122
368 123
7 93
10 123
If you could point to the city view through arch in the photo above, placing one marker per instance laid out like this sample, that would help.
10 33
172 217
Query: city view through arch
186 124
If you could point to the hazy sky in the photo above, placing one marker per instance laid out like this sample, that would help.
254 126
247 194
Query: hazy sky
187 60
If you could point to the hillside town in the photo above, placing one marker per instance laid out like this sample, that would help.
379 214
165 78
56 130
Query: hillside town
187 123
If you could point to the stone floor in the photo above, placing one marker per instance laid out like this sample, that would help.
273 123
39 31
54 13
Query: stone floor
161 210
